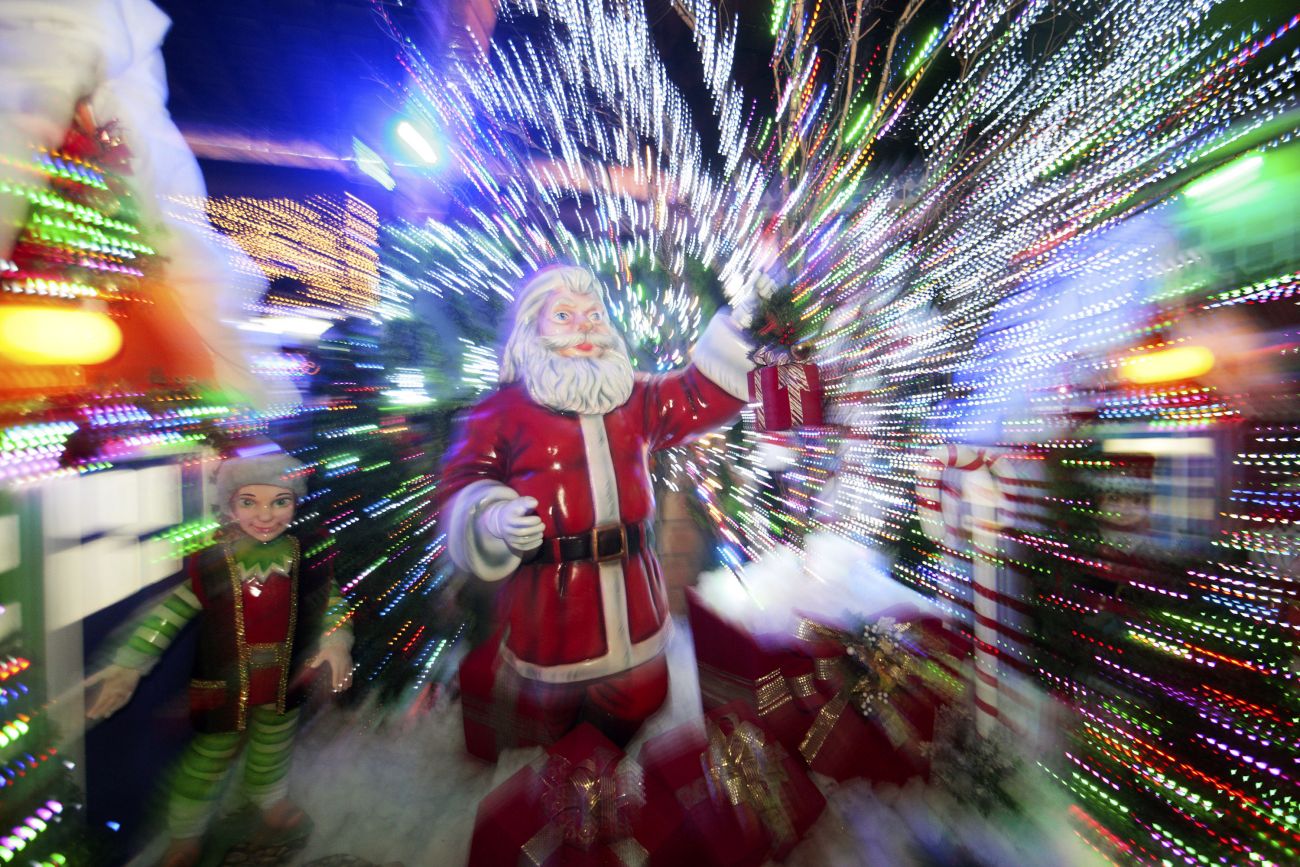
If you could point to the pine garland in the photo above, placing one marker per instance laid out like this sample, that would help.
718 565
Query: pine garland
778 322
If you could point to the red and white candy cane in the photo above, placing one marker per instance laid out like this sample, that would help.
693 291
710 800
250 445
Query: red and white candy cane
998 491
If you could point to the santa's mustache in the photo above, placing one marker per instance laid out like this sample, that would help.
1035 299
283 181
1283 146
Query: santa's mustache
558 342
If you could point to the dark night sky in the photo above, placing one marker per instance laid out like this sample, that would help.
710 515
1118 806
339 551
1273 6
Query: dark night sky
284 68
316 68
281 70
322 71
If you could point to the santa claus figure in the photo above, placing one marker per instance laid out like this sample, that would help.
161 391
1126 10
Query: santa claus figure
548 488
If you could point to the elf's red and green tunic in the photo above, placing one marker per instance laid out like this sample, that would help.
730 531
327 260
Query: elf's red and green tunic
263 614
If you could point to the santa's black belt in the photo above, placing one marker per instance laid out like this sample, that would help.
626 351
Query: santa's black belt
611 542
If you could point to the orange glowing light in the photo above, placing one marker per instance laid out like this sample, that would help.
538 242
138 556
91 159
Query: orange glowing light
1183 362
53 335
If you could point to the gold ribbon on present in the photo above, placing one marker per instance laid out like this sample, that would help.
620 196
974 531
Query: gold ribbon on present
794 379
585 805
771 356
791 376
803 686
767 356
766 694
876 662
743 770
760 415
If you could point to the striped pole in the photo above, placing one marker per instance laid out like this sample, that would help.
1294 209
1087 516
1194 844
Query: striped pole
995 489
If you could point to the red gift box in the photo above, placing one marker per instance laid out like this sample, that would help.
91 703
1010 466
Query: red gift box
737 665
584 804
786 396
747 800
886 745
501 711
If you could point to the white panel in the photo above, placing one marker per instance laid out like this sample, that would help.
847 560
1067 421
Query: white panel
84 579
159 498
157 561
1160 446
64 674
10 553
63 501
113 501
208 468
114 565
65 588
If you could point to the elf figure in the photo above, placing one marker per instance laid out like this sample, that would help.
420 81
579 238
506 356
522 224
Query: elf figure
263 620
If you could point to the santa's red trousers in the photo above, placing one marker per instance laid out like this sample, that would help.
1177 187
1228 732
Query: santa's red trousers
503 709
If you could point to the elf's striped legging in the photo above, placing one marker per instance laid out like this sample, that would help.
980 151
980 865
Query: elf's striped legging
206 761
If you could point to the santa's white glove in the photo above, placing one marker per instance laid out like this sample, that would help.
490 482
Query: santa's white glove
759 288
511 522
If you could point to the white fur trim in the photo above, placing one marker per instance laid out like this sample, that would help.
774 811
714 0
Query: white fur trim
276 469
471 549
620 653
604 498
722 355
600 666
600 469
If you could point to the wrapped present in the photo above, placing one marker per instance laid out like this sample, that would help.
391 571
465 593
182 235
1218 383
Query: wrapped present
879 697
500 710
737 665
584 803
747 800
786 396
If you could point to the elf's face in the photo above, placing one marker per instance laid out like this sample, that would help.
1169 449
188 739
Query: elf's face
262 511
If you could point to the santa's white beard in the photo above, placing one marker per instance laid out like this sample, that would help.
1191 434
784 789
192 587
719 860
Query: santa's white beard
585 385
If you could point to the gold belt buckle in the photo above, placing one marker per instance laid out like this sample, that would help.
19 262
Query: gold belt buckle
266 655
595 542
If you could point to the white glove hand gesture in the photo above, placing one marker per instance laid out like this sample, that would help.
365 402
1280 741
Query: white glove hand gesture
763 286
117 685
511 522
759 288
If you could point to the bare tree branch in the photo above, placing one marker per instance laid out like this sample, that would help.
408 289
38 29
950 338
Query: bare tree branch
853 65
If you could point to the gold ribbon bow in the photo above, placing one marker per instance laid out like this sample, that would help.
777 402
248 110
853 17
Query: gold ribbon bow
586 804
768 356
742 769
874 665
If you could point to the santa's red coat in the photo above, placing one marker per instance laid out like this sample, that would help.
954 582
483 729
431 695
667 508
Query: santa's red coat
576 621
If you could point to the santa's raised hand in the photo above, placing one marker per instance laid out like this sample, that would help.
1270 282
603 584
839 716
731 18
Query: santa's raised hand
512 522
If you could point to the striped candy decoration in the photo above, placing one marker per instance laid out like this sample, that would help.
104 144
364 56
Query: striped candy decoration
1001 491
